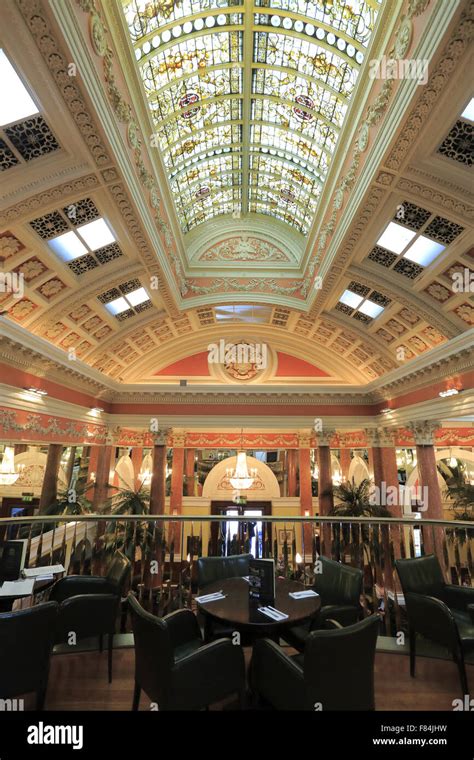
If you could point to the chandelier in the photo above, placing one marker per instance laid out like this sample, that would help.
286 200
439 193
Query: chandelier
240 477
8 475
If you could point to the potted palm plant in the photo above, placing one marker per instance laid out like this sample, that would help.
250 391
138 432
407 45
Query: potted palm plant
461 493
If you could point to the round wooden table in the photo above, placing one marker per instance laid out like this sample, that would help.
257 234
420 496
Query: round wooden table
239 610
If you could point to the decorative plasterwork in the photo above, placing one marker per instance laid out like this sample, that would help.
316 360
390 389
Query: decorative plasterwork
244 248
325 437
424 432
22 425
413 300
433 195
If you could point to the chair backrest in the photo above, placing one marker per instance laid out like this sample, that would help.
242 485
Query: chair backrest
86 615
26 640
337 583
339 667
119 570
421 575
154 658
211 569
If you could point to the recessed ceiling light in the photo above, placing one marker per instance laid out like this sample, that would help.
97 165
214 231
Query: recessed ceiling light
468 112
15 100
395 238
423 251
97 409
137 297
68 246
350 299
448 392
387 410
37 391
371 309
117 306
96 234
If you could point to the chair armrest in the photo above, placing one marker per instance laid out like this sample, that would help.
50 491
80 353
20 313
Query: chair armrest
458 597
432 618
346 614
331 624
182 626
75 585
277 677
86 615
208 674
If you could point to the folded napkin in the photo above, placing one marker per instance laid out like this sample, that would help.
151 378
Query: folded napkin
210 597
303 594
272 613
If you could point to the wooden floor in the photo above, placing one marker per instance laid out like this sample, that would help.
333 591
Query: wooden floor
79 682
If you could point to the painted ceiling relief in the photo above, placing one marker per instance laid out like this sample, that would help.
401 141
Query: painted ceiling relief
210 71
244 248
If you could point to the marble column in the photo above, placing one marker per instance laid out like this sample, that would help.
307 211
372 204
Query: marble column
423 433
345 461
158 477
306 498
189 471
49 489
137 459
177 472
375 456
291 471
105 464
326 499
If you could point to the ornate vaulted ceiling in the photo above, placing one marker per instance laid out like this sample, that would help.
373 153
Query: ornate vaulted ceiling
190 173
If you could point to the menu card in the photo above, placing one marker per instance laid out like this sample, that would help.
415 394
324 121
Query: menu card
262 579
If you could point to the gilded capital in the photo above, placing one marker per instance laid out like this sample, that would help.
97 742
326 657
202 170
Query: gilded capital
325 436
424 431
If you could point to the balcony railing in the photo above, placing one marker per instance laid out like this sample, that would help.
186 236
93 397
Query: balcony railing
163 550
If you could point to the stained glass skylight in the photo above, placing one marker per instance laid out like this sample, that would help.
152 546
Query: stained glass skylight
248 98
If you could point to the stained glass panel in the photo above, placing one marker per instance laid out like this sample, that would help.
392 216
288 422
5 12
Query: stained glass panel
248 99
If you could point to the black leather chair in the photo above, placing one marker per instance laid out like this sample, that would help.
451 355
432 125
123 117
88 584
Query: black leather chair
112 583
439 611
336 671
26 640
87 615
173 666
211 569
340 588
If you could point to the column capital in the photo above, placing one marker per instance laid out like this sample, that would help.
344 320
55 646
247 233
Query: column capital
160 438
380 437
423 431
179 437
112 435
304 439
325 436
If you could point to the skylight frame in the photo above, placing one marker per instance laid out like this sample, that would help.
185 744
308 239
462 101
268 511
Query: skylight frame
159 33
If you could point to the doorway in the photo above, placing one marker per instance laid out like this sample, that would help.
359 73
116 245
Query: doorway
249 536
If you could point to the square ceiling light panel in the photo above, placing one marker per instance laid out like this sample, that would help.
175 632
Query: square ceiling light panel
15 101
395 238
423 251
96 234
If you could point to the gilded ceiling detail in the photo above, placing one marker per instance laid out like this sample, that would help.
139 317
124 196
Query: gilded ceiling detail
244 248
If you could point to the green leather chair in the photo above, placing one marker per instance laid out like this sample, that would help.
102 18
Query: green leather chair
336 671
340 588
436 610
176 669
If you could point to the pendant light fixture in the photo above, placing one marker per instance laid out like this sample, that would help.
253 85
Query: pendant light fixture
241 478
8 474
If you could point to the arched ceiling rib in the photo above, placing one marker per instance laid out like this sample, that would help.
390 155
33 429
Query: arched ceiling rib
211 70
